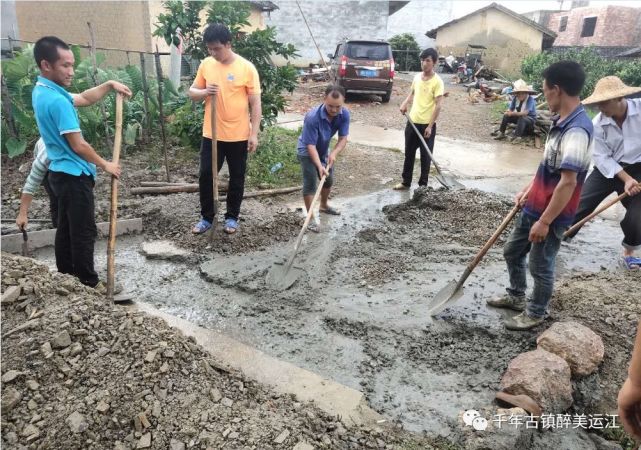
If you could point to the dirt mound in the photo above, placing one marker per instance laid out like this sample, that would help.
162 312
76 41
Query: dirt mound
607 303
261 224
81 373
466 217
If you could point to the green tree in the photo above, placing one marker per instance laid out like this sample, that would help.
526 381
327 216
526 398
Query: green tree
258 46
20 73
406 52
595 66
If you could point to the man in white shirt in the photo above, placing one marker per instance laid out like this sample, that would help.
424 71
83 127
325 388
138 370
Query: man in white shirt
617 160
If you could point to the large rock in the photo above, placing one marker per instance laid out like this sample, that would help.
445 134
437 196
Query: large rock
543 376
581 347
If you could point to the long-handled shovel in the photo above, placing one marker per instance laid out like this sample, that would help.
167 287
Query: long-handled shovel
111 244
595 213
214 165
282 276
448 183
454 289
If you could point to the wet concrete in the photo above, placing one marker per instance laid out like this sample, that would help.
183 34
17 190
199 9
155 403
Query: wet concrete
366 330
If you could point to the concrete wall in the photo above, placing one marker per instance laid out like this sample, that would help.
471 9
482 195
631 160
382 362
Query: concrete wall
507 39
9 24
417 17
616 26
330 21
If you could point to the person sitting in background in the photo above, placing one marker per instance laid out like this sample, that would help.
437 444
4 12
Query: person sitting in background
522 112
37 176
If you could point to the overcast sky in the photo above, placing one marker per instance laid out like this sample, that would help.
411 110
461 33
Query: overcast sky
462 7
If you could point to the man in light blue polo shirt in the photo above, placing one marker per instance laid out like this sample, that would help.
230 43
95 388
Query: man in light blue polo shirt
321 123
72 170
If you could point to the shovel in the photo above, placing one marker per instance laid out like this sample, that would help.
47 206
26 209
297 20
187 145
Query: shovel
282 276
454 289
448 183
595 213
214 165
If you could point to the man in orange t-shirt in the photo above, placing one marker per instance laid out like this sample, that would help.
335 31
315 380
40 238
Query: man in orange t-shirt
235 82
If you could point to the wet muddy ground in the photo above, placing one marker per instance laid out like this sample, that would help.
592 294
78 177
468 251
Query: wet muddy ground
358 313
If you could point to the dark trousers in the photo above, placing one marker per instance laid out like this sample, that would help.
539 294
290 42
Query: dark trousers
412 142
235 153
76 232
597 188
53 201
524 125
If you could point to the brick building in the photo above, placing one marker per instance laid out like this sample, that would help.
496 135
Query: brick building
612 30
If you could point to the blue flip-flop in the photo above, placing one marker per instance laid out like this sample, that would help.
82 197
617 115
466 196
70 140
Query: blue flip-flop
231 225
201 227
631 262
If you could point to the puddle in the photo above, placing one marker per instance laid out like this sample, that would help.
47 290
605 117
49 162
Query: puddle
375 335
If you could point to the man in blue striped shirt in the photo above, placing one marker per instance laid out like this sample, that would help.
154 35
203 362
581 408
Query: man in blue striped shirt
37 176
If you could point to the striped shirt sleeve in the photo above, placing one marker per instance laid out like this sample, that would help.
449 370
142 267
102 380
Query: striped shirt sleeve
39 168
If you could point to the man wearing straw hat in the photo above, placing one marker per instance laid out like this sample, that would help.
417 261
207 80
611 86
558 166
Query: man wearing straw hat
617 160
522 112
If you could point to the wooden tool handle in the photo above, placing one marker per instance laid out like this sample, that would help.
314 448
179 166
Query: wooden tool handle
595 213
214 162
299 239
111 244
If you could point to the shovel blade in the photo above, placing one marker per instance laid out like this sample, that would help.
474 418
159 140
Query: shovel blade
445 297
280 278
449 182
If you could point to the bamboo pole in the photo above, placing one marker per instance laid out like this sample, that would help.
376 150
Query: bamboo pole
94 77
111 244
312 36
87 46
145 90
214 164
161 190
160 110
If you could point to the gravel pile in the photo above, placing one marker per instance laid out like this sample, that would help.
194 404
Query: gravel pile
80 373
465 217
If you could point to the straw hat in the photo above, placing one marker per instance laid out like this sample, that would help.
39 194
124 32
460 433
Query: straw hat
609 88
521 86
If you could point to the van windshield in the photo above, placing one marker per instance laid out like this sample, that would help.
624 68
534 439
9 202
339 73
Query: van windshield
375 52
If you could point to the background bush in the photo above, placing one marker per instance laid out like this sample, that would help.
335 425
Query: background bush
595 67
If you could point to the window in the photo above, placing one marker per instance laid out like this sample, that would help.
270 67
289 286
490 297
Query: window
563 24
589 23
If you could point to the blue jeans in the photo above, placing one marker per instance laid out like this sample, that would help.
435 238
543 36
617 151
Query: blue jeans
542 262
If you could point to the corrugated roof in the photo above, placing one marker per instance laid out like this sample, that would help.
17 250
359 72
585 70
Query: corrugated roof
432 33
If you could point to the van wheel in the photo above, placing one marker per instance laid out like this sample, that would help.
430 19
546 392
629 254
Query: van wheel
386 97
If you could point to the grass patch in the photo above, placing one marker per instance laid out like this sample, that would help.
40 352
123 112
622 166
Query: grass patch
497 110
619 435
276 145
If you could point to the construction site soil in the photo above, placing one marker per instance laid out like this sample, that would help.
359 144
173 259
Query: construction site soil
81 373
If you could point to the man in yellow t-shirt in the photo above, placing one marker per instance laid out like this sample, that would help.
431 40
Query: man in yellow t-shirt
234 81
426 96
